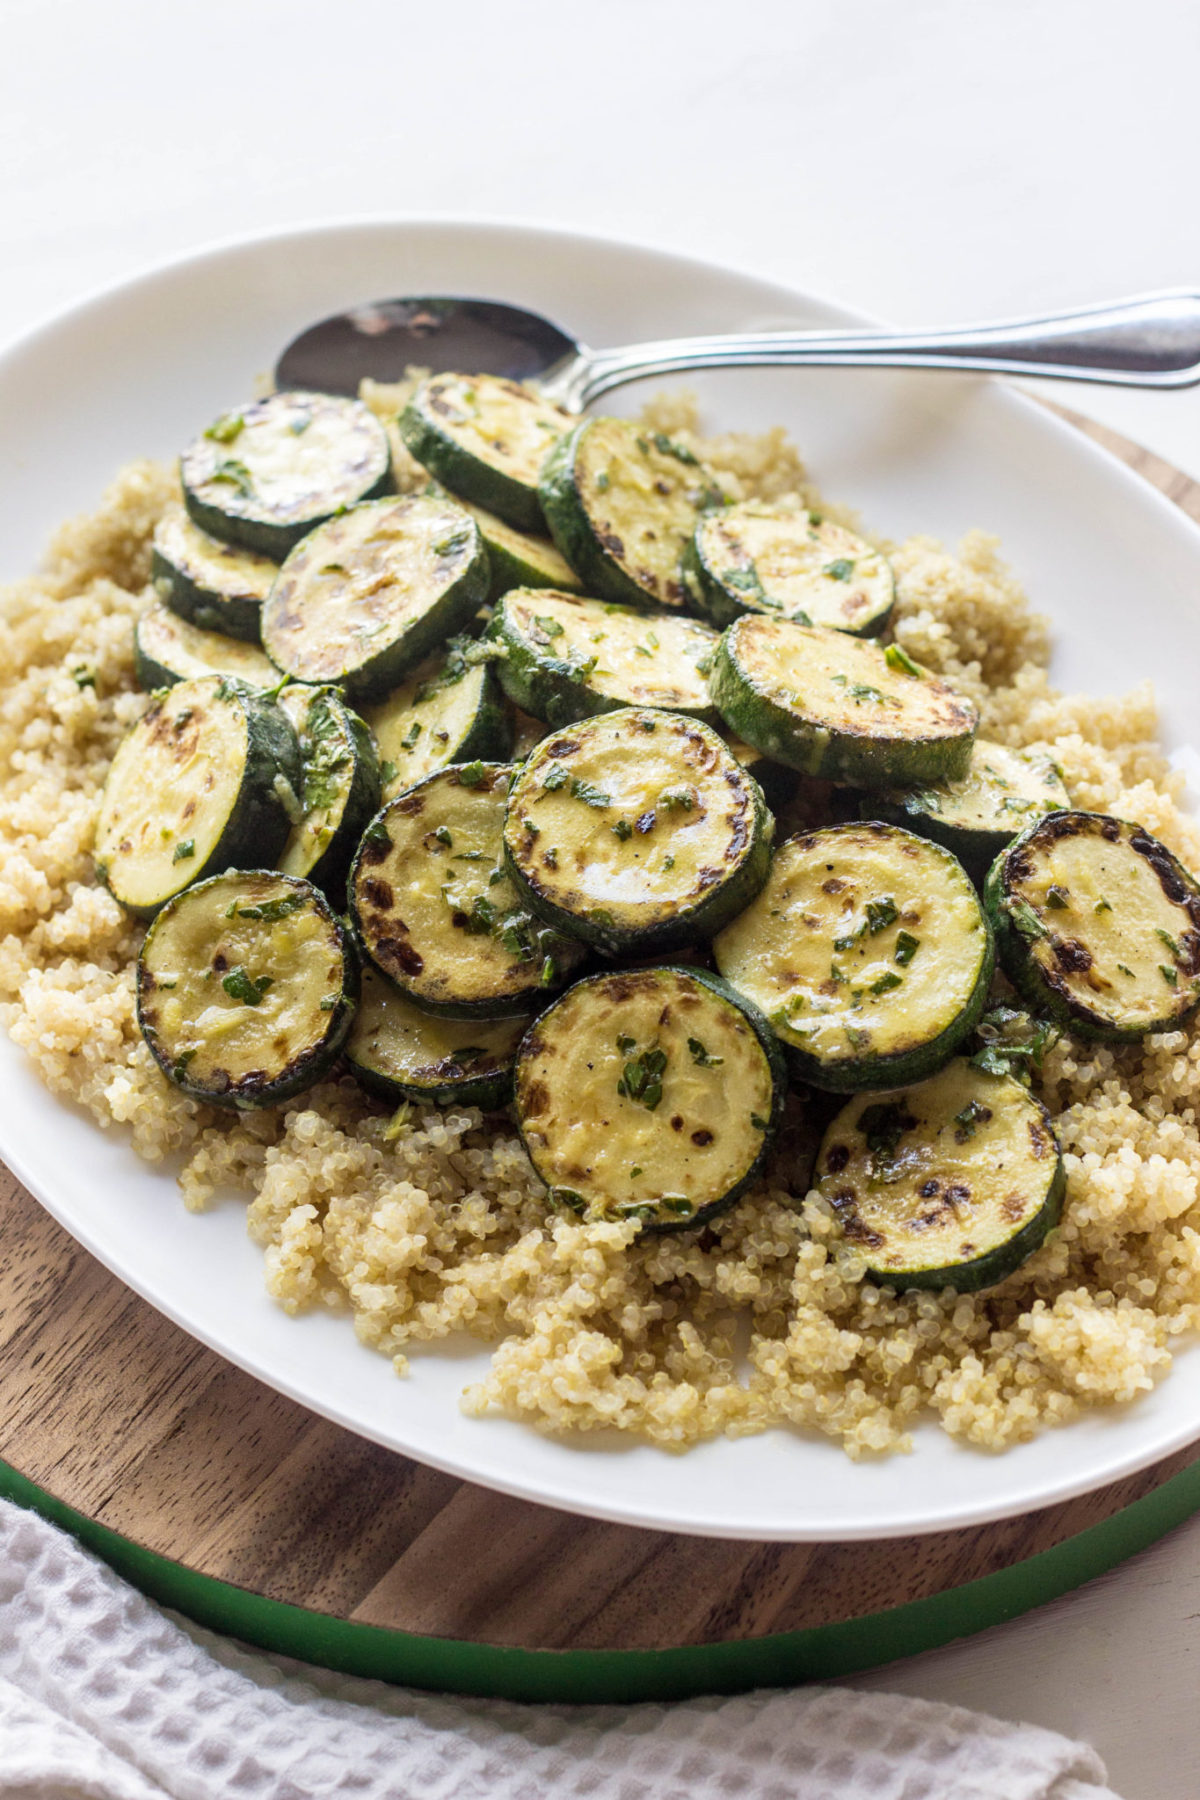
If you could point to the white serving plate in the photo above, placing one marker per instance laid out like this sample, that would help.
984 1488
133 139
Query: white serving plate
138 369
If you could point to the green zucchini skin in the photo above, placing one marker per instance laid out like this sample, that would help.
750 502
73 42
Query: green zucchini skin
415 567
586 518
761 557
848 946
1128 911
216 586
697 1013
521 559
398 1052
340 791
963 1132
264 477
448 710
694 865
155 800
976 818
317 979
168 648
554 682
432 907
830 705
484 437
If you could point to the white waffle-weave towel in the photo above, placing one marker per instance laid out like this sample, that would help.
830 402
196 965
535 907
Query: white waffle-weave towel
105 1697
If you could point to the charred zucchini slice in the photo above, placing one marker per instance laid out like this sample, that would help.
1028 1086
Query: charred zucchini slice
434 909
485 437
637 831
517 559
265 475
951 1184
868 951
401 1053
1098 924
622 504
167 649
365 597
340 792
204 781
980 815
246 987
449 710
775 558
219 587
650 1094
839 707
569 658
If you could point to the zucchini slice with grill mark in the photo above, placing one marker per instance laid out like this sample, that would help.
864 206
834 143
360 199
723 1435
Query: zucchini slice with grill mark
622 504
265 475
1098 924
774 558
246 987
365 597
167 649
220 587
637 831
449 710
978 816
485 437
839 707
204 781
401 1053
868 951
434 909
517 559
951 1184
569 658
651 1094
340 793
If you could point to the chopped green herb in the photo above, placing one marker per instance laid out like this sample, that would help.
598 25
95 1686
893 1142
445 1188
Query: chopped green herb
179 1066
886 982
442 834
376 835
1058 898
1168 940
185 848
634 1172
271 910
329 1001
668 447
551 628
602 482
906 948
678 1204
700 1055
841 570
641 1078
471 775
451 545
881 914
1102 906
225 429
549 972
1126 971
387 772
623 829
1170 976
1012 1043
676 800
969 1119
249 989
589 794
409 740
759 1124
554 778
568 1198
899 659
83 677
668 863
550 858
882 1126
1025 920
235 473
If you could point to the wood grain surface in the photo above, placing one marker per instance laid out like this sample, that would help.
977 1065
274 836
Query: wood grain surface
119 1414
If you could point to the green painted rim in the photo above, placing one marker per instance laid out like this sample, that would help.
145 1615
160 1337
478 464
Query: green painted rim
822 1654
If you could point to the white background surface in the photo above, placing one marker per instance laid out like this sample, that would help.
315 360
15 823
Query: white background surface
925 160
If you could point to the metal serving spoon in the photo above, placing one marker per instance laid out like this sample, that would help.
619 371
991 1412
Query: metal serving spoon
1150 341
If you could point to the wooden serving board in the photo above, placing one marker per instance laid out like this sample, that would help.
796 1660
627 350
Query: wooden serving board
239 1505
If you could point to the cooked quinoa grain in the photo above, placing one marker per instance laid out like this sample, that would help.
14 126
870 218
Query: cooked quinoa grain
425 1223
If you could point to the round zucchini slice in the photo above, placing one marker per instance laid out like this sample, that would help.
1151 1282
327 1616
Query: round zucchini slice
219 587
979 816
246 987
775 558
637 831
951 1184
622 504
569 658
434 909
836 706
449 710
266 475
1098 925
401 1053
517 559
650 1094
485 437
340 792
868 951
204 781
365 597
167 649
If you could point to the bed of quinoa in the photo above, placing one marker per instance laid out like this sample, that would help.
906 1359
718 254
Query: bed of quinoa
421 1224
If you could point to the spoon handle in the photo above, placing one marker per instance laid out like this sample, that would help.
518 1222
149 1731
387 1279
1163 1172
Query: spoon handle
1149 341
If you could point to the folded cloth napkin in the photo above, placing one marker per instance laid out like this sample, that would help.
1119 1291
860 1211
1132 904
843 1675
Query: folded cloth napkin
103 1696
